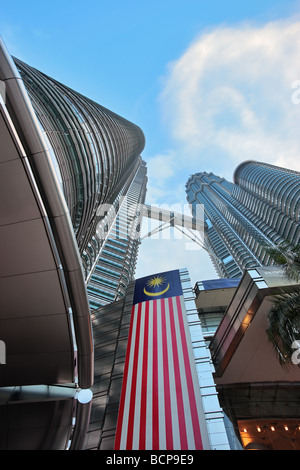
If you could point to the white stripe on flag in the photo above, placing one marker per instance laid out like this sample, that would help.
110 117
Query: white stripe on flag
149 385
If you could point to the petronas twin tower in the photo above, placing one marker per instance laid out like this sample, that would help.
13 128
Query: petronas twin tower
242 219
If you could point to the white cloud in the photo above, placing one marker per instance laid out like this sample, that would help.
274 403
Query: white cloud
229 98
164 255
160 170
162 167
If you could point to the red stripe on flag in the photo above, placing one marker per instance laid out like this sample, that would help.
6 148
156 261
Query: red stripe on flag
165 366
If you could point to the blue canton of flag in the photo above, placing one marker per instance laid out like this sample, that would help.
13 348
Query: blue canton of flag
157 286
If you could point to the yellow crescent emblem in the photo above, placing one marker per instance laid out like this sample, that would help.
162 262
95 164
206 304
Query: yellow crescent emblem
156 281
157 293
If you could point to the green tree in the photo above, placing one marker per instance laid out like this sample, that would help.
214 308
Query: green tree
284 317
288 256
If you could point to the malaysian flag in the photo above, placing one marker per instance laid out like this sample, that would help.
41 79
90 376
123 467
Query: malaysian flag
160 406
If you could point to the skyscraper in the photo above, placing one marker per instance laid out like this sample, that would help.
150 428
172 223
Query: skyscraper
260 208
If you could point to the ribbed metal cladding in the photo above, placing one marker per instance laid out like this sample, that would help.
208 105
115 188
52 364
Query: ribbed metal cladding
276 186
96 149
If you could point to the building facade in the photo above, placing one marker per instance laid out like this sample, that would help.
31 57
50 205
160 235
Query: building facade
260 208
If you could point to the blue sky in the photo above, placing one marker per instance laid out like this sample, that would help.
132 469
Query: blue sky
211 84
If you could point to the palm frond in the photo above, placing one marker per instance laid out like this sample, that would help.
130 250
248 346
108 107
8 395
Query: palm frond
284 324
286 255
284 317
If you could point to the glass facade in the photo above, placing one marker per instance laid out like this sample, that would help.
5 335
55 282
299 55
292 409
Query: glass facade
212 298
215 418
115 265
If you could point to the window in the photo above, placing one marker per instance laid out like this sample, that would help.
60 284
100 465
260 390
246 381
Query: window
227 259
